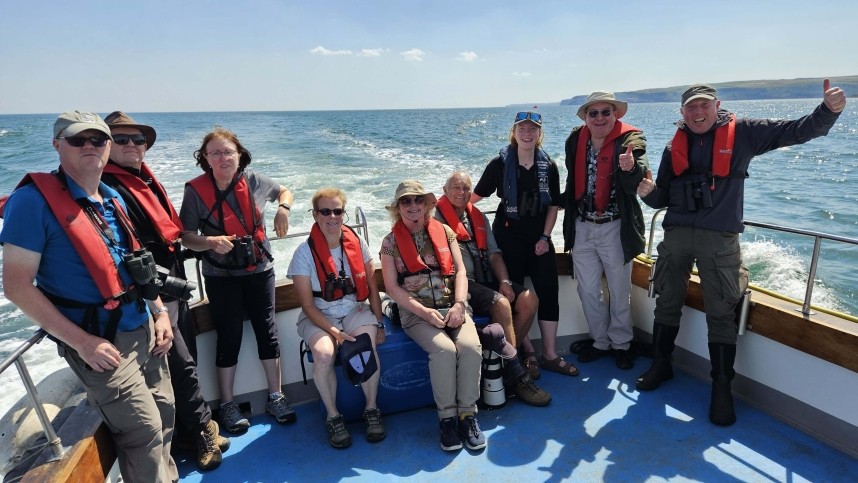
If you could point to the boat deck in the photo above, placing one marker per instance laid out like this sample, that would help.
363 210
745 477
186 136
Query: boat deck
597 428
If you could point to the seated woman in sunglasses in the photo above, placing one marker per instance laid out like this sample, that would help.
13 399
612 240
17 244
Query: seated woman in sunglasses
332 272
528 183
424 274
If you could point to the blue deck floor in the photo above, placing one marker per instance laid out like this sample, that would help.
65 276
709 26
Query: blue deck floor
597 428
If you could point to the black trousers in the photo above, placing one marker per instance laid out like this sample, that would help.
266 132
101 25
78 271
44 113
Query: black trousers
192 411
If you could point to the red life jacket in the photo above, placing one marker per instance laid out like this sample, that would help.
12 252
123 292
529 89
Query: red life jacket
478 223
408 250
85 237
204 185
722 149
604 164
325 262
166 223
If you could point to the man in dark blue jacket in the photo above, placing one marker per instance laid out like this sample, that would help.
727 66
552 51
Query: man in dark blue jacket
701 181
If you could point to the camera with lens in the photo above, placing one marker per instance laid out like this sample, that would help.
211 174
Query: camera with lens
175 287
697 194
143 270
241 254
530 204
341 282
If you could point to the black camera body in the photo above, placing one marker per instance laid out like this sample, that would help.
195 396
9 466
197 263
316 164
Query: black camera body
530 204
241 254
341 282
175 287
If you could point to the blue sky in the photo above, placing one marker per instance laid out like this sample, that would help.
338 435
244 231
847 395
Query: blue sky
153 56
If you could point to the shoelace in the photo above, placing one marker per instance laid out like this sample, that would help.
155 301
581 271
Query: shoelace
373 419
232 413
337 425
208 442
281 405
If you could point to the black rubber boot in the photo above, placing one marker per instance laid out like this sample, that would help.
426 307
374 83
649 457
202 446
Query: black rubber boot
721 410
663 337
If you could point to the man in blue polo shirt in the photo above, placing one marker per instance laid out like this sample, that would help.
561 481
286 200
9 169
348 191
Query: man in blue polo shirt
85 296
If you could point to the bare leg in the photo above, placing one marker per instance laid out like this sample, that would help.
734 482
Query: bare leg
272 374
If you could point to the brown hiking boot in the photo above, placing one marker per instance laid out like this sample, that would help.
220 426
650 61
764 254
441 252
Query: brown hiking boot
221 441
209 454
529 392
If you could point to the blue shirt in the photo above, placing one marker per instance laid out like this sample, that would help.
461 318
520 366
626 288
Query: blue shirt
29 223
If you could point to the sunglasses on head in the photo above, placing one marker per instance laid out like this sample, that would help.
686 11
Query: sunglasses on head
329 212
79 141
412 200
603 112
529 116
123 139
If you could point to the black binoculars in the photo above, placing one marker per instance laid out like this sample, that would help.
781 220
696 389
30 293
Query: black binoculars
697 195
241 254
341 282
482 269
143 270
530 204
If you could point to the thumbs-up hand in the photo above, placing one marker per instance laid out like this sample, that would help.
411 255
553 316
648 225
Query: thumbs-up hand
627 159
646 185
833 97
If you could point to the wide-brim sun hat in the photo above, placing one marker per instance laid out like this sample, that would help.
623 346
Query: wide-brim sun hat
621 107
411 187
120 119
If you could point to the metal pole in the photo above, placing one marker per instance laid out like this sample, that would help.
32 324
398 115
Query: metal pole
53 440
811 276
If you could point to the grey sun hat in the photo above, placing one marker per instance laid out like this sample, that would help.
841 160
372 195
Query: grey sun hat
120 119
699 91
72 123
603 96
410 187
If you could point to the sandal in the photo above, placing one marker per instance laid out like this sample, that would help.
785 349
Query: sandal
531 365
558 365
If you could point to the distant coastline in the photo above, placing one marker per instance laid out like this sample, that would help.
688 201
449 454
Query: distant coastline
804 88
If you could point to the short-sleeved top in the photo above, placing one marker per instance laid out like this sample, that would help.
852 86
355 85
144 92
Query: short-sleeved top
430 289
194 211
492 180
29 223
302 264
469 248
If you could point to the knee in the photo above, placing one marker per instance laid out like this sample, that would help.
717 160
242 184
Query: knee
500 309
323 358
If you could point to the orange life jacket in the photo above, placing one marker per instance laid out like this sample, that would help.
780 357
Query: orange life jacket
408 250
164 219
478 223
604 165
325 262
722 149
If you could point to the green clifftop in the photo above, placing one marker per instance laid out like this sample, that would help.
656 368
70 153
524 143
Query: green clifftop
806 88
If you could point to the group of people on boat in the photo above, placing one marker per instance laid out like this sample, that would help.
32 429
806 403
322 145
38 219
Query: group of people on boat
102 243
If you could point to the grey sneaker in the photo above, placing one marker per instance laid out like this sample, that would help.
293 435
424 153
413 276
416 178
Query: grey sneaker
280 408
374 429
231 418
337 434
470 433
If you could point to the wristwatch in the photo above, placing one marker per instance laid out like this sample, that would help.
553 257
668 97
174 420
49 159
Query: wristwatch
380 325
545 237
285 205
158 310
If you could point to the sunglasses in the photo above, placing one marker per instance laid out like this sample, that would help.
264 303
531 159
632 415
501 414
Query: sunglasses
412 200
329 212
79 141
123 139
603 112
529 116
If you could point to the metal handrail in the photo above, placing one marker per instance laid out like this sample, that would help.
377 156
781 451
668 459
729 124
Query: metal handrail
54 441
814 259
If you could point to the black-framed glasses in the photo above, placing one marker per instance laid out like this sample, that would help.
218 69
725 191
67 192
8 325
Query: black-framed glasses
412 200
329 211
529 116
79 141
603 112
123 139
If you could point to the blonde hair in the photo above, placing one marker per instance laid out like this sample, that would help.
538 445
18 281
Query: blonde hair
514 143
328 193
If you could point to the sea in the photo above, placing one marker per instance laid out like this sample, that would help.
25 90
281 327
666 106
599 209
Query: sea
367 153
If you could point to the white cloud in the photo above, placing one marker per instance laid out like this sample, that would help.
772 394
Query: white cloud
469 56
323 51
370 53
521 74
413 55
